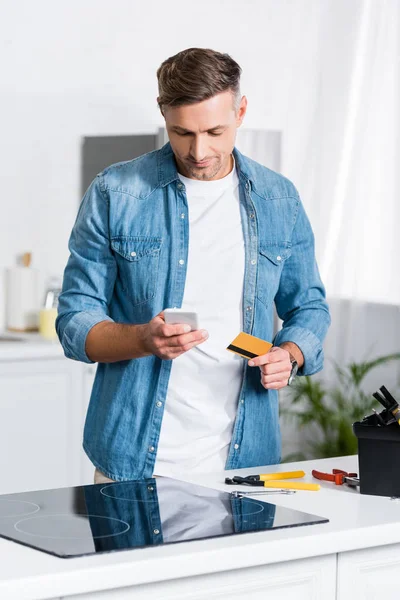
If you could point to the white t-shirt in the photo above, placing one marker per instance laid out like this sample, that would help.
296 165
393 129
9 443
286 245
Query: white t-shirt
205 382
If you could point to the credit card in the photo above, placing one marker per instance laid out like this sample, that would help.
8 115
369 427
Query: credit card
249 346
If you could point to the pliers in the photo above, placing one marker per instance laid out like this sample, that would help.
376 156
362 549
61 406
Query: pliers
274 480
338 477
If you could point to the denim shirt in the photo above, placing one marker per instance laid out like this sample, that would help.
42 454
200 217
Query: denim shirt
128 257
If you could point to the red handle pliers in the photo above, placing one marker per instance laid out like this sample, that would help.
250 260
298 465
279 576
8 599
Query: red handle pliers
338 477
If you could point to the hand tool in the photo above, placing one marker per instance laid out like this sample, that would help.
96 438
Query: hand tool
238 494
378 417
272 483
338 477
388 402
275 476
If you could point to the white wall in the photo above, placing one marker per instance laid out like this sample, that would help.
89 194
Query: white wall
71 69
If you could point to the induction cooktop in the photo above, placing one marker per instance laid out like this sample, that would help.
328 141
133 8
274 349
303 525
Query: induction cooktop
90 519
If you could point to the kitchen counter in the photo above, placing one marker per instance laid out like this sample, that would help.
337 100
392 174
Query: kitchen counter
356 522
22 346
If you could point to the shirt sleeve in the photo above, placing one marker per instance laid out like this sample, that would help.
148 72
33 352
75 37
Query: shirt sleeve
89 276
300 300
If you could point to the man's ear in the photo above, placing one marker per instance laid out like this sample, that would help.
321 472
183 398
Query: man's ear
241 111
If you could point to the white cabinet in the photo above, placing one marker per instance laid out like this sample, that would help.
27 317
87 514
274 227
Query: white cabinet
370 574
42 408
308 579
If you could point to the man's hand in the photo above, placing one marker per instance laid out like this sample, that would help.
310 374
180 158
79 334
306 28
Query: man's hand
275 368
169 341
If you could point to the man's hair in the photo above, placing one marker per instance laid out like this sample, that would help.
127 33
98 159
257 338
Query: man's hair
197 74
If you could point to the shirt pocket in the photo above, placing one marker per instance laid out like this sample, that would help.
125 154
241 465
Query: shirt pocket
271 261
138 260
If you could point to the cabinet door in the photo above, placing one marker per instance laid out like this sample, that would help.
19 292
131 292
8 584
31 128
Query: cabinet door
307 579
370 574
40 416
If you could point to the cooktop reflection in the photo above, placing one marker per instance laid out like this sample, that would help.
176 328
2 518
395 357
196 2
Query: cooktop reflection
90 519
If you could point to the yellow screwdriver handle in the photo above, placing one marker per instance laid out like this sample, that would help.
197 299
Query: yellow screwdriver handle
396 414
275 476
293 485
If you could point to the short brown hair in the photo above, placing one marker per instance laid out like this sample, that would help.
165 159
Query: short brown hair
196 74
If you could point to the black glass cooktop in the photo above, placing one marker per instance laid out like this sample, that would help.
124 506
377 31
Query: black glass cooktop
90 519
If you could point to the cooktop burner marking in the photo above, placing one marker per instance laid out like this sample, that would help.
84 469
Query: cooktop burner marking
55 518
19 509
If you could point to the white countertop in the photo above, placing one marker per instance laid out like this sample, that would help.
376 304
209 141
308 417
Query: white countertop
32 346
356 521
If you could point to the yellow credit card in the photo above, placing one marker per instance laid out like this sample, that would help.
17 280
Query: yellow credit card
249 346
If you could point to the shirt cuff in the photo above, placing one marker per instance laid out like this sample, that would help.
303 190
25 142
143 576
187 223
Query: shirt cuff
309 344
75 333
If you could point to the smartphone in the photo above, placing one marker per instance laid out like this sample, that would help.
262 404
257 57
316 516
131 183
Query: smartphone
179 316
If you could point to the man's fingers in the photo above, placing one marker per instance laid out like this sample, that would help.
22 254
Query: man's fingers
275 381
272 356
262 360
188 338
181 339
275 378
173 330
276 385
168 330
172 352
271 368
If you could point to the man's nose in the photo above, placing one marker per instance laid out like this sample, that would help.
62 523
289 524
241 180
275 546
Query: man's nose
198 149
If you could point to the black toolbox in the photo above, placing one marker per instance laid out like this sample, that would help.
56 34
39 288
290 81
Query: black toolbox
378 458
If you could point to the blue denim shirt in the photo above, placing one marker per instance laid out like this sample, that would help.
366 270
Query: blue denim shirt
126 251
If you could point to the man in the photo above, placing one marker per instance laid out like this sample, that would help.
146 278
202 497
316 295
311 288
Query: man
194 225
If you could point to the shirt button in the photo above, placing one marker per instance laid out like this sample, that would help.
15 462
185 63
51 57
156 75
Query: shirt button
150 488
253 262
248 308
279 258
181 262
182 215
251 215
151 448
236 446
242 401
180 186
158 404
156 531
133 253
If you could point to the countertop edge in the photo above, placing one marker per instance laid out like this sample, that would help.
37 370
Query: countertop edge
191 564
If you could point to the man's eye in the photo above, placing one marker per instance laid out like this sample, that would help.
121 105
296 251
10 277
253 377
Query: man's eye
183 133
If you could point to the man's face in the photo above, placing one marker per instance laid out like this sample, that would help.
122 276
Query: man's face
202 135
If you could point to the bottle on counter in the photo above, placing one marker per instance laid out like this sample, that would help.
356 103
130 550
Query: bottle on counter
22 296
48 314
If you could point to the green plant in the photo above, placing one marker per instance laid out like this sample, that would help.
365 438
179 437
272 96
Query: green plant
330 412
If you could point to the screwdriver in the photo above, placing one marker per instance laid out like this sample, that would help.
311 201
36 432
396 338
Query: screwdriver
388 402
